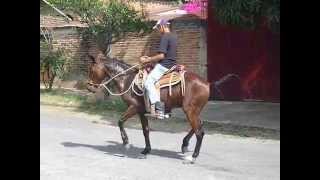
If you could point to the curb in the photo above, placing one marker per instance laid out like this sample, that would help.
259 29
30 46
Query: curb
207 124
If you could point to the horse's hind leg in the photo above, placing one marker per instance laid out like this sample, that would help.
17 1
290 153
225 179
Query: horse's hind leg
186 139
199 134
131 111
196 124
145 127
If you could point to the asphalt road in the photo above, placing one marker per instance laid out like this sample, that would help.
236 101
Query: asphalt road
72 147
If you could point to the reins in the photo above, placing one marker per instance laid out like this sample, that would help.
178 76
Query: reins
130 87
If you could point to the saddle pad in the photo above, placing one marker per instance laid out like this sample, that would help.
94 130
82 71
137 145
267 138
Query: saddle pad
165 80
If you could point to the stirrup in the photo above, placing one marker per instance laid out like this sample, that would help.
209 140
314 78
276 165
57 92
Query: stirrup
160 113
163 116
158 116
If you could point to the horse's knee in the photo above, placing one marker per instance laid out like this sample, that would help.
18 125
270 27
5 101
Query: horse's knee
185 141
146 131
200 132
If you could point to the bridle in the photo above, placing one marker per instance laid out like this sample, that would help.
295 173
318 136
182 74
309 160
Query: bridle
104 84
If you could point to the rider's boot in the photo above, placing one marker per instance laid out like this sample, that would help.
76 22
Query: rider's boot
153 109
160 110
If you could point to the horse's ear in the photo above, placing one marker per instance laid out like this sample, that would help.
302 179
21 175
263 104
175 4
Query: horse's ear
92 59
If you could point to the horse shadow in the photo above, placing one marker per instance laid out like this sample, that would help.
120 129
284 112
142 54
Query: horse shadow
117 149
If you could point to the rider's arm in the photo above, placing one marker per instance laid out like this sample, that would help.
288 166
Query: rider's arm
161 51
153 59
156 58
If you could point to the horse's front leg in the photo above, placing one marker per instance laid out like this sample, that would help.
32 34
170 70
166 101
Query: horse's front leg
131 111
185 142
146 129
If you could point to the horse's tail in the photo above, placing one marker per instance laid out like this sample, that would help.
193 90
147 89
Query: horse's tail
215 91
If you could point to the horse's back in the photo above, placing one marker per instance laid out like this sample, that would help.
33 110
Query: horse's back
195 81
196 91
196 95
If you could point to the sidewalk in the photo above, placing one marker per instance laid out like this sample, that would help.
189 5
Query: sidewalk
252 114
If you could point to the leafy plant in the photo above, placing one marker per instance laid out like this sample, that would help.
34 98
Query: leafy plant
51 64
248 13
107 22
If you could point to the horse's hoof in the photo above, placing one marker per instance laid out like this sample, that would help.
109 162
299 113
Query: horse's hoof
142 156
126 146
189 160
146 151
184 149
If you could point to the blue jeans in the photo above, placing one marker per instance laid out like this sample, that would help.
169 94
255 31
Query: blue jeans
152 78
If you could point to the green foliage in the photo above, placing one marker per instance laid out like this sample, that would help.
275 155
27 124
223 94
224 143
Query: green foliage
248 13
66 98
52 63
272 12
108 22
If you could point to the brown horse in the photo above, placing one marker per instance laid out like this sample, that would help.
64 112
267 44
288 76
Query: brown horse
195 98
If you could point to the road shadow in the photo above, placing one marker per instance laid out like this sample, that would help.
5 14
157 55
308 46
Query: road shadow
117 149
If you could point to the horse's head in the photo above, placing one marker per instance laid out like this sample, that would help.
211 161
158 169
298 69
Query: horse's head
97 73
102 68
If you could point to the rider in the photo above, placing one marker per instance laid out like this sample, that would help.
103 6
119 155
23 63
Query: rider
165 59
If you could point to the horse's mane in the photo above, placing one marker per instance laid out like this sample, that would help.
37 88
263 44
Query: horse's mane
118 62
117 65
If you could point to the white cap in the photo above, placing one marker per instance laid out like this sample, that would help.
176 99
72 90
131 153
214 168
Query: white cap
161 22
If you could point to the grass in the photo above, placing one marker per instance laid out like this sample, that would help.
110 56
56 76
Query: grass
111 110
60 97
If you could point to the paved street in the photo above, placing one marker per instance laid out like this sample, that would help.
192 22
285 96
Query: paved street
72 147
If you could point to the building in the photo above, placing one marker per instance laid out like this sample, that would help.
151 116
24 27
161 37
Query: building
253 55
205 46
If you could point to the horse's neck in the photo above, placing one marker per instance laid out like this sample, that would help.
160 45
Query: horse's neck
123 82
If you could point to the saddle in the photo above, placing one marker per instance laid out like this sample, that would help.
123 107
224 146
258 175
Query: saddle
173 76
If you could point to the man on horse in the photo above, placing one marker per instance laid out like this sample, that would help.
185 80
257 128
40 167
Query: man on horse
164 60
192 98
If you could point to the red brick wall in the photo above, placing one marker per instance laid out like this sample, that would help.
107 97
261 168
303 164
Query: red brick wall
188 50
70 39
51 21
133 46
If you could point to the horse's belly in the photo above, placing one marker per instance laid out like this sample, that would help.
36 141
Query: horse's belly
174 100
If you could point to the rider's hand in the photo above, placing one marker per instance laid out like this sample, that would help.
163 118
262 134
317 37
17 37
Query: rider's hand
144 59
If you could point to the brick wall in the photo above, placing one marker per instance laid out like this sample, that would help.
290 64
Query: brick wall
188 50
134 46
77 49
71 40
51 21
65 35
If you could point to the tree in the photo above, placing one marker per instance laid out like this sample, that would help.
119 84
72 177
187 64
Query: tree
107 22
249 13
